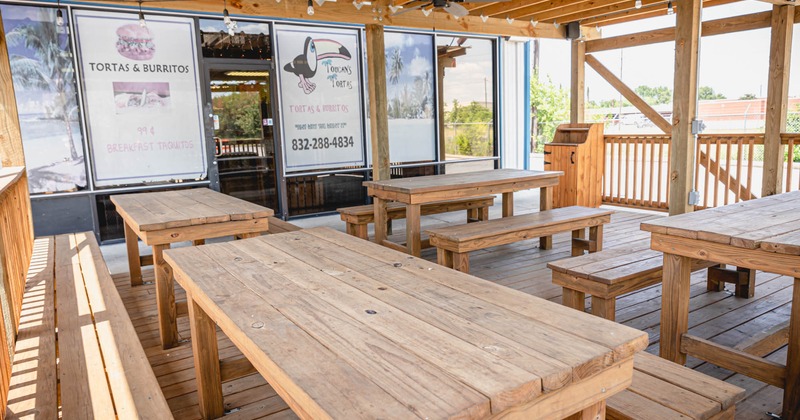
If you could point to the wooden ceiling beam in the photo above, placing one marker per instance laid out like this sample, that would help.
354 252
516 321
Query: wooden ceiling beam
344 12
651 8
710 28
502 9
582 9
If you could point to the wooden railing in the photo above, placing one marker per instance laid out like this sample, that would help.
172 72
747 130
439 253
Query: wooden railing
728 169
16 247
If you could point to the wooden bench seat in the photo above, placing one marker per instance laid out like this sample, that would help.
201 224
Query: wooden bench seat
95 366
664 390
358 218
454 243
608 274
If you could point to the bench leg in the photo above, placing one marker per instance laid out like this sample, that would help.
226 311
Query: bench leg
483 214
206 362
359 231
389 229
472 215
546 203
461 261
198 242
595 411
578 242
444 257
380 220
596 238
713 281
747 288
791 393
165 299
573 299
743 278
604 308
413 233
134 262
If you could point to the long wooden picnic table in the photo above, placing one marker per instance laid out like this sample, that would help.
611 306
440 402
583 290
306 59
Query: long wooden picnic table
761 234
426 189
166 217
343 328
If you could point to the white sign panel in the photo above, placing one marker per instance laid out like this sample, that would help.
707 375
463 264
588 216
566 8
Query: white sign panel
142 97
320 97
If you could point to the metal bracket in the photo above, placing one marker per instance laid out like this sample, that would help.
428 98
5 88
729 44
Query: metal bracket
694 198
698 126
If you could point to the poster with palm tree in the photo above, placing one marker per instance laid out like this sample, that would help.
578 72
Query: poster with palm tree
409 73
44 83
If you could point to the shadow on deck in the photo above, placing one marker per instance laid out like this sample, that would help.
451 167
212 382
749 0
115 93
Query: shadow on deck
718 316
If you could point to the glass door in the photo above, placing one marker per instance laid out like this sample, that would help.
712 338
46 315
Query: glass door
244 136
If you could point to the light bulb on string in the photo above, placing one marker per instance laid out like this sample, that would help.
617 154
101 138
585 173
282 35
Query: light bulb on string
638 4
310 10
670 9
59 18
142 22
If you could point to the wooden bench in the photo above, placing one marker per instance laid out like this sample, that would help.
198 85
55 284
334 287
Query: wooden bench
95 366
608 274
664 390
358 218
454 243
279 226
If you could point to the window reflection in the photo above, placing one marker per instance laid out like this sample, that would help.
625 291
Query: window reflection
467 96
249 40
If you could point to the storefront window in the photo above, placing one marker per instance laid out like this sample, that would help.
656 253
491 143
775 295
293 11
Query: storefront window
45 87
245 40
409 90
466 72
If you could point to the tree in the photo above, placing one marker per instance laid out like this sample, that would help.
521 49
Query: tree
50 69
655 95
473 125
395 64
706 93
747 97
550 107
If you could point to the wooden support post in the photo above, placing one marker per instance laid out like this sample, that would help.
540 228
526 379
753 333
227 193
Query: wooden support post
11 153
165 299
687 42
378 109
675 306
791 392
578 82
780 52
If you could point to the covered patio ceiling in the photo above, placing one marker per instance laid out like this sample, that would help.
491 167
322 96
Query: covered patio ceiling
526 18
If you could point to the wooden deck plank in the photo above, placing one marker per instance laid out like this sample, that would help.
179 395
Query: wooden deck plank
521 266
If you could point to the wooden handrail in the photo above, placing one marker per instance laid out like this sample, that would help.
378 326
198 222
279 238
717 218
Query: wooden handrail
16 248
724 168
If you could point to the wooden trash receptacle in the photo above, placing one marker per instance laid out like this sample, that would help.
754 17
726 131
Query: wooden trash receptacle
577 150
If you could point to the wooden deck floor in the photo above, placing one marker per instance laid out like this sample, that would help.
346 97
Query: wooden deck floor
718 316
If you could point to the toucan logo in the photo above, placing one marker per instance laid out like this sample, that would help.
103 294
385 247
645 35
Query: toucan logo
315 50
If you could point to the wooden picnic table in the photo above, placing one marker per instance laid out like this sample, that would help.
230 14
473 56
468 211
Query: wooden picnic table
343 328
426 189
761 234
166 217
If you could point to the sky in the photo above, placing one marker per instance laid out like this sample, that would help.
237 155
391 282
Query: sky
732 64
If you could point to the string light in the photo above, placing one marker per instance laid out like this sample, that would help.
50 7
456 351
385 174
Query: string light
638 4
534 23
670 9
509 20
226 17
142 22
484 18
310 9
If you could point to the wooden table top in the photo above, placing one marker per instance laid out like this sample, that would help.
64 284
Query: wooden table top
178 208
769 224
349 329
422 184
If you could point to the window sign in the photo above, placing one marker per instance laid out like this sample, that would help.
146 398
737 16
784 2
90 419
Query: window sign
320 96
40 55
409 90
142 97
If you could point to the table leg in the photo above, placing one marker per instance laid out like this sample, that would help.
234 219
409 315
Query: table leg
206 361
413 234
546 203
595 411
165 299
791 393
508 204
379 206
134 264
675 306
